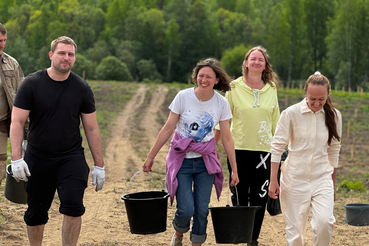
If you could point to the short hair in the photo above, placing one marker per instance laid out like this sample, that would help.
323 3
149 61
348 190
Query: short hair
2 29
224 78
64 40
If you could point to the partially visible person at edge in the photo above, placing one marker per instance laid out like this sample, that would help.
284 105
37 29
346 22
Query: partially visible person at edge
56 100
11 76
192 160
312 130
255 109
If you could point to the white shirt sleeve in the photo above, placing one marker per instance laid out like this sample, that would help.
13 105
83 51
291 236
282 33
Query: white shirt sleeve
281 136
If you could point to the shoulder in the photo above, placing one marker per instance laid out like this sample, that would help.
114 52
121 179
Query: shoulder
292 109
219 96
78 80
235 83
269 88
185 92
35 76
9 59
338 113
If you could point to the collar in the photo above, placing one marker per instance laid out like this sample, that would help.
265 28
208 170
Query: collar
3 58
240 82
305 108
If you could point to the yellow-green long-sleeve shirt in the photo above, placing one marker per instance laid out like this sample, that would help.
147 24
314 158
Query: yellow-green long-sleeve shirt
255 115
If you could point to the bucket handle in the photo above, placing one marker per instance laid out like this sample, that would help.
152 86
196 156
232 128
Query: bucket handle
238 202
9 171
357 216
133 176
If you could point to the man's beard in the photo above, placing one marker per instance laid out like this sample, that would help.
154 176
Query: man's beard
60 69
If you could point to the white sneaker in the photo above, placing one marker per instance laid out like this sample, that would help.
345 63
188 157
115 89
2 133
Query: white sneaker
176 241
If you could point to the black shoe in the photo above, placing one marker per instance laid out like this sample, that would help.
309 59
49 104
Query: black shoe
253 243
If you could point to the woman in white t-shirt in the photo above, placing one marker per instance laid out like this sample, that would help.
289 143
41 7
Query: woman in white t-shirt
312 130
192 166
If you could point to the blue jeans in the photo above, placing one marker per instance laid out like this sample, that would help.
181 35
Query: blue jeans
193 197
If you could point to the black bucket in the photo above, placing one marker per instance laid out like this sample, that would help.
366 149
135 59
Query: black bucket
14 191
233 225
147 211
357 214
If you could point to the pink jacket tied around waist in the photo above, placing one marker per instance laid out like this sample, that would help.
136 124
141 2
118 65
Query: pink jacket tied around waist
177 153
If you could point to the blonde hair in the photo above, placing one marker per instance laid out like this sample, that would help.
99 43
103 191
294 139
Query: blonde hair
64 40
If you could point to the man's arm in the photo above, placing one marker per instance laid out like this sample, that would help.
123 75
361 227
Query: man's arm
19 166
19 118
91 128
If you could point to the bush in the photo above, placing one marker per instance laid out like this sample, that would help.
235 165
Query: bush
147 70
232 60
83 64
111 68
356 186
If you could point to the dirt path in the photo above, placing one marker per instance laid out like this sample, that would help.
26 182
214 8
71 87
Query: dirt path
105 222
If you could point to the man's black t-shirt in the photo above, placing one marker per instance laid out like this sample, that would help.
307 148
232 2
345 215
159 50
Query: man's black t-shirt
55 109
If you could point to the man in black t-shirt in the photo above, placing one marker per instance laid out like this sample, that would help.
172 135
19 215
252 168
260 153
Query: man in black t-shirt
56 101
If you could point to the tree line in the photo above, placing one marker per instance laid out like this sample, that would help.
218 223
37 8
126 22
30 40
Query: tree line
162 40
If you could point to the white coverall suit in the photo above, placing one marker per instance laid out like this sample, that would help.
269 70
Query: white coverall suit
306 179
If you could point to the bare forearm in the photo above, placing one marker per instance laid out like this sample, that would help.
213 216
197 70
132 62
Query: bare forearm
274 172
94 143
16 138
230 151
162 138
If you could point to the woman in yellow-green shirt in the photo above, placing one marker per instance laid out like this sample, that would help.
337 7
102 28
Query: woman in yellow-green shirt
254 105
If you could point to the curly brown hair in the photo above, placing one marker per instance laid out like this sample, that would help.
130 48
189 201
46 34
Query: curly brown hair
268 75
224 78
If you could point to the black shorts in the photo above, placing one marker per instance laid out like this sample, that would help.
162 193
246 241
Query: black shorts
67 174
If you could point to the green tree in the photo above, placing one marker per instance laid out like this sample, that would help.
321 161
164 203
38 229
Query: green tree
198 40
232 60
16 49
83 67
347 43
5 6
234 28
278 39
173 42
296 42
97 52
111 68
317 13
116 16
147 70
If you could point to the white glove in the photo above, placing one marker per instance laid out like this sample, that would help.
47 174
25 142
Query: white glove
24 147
20 170
98 177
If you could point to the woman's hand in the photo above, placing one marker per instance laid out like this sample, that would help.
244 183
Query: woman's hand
146 167
273 189
235 179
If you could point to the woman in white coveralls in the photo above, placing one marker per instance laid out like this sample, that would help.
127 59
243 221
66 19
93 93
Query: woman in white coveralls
312 130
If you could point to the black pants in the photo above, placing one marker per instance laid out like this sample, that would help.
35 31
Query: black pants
254 174
68 175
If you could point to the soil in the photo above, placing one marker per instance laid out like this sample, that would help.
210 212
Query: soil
105 222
